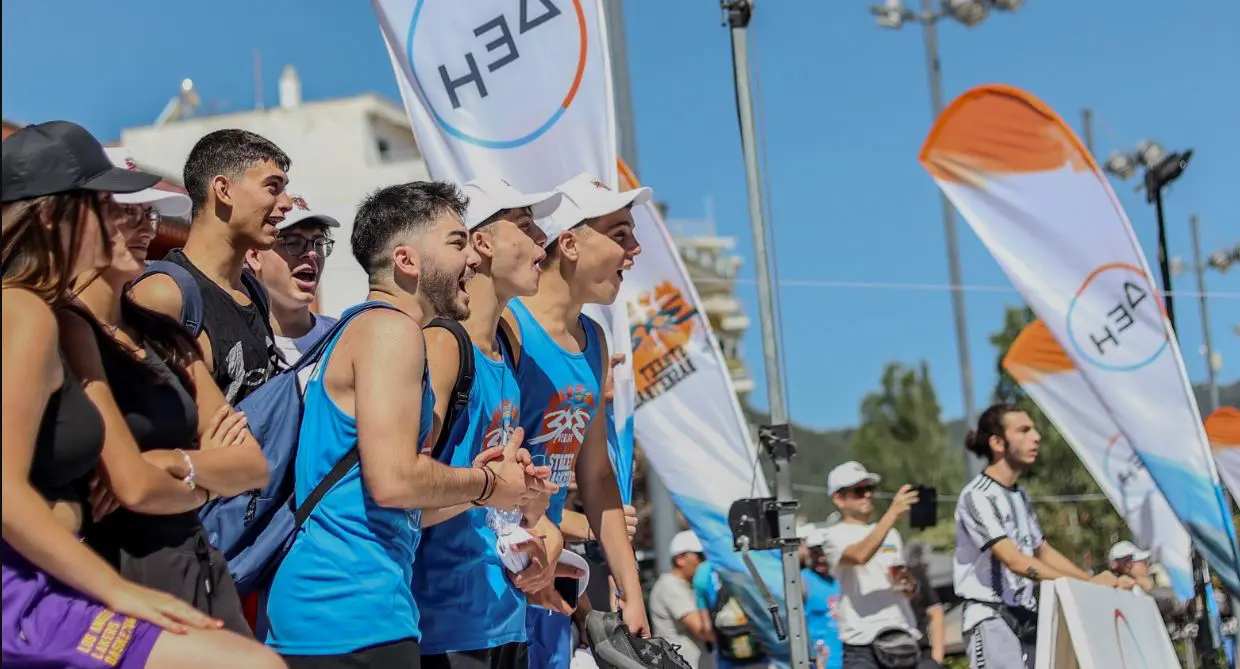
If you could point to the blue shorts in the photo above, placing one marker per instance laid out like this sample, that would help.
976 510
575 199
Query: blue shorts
551 638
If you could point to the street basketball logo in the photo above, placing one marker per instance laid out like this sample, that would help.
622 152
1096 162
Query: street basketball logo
497 74
503 422
661 324
563 431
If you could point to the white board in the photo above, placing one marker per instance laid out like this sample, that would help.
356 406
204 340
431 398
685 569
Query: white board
1087 626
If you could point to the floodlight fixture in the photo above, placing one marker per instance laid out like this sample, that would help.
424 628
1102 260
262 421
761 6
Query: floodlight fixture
968 12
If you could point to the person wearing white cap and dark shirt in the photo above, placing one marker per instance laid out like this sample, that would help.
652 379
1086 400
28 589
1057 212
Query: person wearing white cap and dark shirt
473 605
875 617
290 271
674 614
1126 559
561 360
146 207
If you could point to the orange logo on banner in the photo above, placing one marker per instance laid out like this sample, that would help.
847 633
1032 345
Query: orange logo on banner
661 323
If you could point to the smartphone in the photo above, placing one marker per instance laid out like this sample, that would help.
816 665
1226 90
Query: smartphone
925 513
567 587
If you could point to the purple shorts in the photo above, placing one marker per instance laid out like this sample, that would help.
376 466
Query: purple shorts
48 624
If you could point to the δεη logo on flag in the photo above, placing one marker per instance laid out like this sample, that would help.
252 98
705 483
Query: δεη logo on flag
514 69
1115 320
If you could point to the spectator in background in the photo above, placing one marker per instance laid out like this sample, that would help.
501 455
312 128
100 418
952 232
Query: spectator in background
822 600
290 271
673 608
876 621
1125 559
927 608
717 609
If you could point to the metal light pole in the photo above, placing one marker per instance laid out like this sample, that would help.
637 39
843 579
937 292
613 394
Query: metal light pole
1160 170
893 14
1200 269
739 14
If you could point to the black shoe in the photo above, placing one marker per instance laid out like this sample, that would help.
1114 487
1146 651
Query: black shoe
614 648
600 626
671 657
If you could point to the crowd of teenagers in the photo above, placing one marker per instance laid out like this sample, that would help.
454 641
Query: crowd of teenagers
436 427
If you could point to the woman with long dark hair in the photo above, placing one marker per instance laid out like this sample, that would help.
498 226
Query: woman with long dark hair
63 605
146 376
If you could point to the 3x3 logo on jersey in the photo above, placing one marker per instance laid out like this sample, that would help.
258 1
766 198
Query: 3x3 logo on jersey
562 432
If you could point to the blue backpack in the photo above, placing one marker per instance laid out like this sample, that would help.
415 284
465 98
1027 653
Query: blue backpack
192 306
256 529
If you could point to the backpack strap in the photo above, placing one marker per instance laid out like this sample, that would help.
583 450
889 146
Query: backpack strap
464 380
303 511
258 295
191 295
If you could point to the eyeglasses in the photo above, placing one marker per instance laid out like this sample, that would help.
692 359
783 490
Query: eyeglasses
297 246
137 216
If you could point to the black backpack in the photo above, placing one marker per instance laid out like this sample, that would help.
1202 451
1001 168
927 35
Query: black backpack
464 379
733 638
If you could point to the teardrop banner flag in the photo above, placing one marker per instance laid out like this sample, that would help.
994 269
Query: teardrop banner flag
1223 430
1034 195
1039 364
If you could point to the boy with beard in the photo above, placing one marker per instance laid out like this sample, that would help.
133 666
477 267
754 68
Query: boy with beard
561 357
473 608
290 271
235 180
342 596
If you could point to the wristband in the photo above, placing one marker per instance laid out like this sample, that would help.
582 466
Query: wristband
487 478
189 478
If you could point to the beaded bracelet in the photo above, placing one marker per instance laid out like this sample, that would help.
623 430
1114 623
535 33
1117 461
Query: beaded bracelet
189 478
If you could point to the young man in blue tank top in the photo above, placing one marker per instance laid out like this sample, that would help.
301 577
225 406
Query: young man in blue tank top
342 597
473 608
290 271
561 360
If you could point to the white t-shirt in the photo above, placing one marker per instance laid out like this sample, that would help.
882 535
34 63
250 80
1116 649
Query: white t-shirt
869 604
987 512
671 599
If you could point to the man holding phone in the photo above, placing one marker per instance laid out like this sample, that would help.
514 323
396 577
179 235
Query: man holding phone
876 620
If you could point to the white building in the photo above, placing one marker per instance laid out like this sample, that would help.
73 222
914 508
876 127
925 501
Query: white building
341 150
713 267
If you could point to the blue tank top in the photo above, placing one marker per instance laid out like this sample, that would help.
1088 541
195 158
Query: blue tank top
466 599
822 598
560 395
345 583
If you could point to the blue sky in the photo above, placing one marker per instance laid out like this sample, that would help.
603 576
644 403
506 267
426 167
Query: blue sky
845 107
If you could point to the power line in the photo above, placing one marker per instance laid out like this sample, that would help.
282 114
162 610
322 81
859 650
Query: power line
1049 499
886 285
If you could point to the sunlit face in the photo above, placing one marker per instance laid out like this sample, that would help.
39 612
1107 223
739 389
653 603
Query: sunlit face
137 223
448 261
259 202
1020 440
125 230
92 253
292 268
514 246
855 502
606 248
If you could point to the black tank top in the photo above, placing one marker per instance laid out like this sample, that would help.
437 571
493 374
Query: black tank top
67 447
242 349
161 415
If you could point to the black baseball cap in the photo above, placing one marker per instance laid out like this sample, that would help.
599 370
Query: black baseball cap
60 156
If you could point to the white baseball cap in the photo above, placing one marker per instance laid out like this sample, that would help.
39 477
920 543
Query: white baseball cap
166 202
574 560
848 475
302 213
488 195
1127 549
584 198
685 542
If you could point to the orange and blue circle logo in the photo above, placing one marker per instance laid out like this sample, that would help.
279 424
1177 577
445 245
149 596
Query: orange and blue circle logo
1115 321
517 70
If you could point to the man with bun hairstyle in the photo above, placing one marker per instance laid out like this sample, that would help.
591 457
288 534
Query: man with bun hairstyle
1001 553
